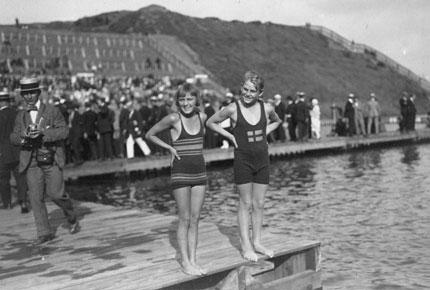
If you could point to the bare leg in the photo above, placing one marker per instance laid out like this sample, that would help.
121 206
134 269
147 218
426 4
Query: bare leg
243 219
182 196
197 198
258 193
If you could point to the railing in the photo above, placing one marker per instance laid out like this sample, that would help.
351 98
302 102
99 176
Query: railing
362 48
391 123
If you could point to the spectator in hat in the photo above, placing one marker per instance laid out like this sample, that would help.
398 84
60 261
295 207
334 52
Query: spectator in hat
359 111
123 125
302 117
105 120
89 119
145 112
403 102
135 130
9 157
374 112
290 114
115 113
411 113
40 131
349 114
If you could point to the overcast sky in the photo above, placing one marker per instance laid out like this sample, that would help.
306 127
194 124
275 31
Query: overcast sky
398 28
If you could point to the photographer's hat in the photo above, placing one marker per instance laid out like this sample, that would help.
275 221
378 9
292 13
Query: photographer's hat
29 85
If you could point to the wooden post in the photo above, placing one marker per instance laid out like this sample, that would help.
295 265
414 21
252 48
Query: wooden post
295 263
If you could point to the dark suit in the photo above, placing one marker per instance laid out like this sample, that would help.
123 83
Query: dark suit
350 115
9 159
135 134
89 119
279 133
105 129
123 129
403 102
411 115
145 113
135 124
43 179
302 116
291 120
211 137
76 135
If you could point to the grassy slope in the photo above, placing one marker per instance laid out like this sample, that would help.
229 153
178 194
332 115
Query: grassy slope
289 58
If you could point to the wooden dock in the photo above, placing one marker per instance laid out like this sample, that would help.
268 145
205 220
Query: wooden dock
130 249
92 168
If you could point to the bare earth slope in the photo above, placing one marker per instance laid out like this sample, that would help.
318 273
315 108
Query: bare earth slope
290 58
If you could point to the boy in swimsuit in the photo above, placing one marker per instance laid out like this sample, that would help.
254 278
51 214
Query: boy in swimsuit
252 121
188 171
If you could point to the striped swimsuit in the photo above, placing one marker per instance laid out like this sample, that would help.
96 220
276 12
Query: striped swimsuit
191 169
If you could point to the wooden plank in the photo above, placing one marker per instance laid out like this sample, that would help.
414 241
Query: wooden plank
118 247
307 280
222 263
289 264
163 268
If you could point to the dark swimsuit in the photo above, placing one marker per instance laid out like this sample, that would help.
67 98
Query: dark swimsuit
251 157
190 170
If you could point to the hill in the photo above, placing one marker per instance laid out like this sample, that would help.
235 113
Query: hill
290 58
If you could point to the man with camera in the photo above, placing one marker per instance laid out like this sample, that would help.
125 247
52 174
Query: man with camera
40 131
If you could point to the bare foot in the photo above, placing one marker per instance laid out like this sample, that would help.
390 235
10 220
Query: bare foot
263 250
191 270
201 270
250 255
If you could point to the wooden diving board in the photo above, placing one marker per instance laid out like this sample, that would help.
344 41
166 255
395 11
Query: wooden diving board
132 249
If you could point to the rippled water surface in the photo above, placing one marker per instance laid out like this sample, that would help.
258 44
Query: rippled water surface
370 210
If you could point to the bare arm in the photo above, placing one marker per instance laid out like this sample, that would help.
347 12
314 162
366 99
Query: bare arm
218 117
274 120
165 124
203 117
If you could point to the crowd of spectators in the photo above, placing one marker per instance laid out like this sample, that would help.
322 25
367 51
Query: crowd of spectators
109 116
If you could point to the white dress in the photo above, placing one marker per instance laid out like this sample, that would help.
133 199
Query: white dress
315 121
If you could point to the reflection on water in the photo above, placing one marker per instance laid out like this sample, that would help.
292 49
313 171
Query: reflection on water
410 155
370 210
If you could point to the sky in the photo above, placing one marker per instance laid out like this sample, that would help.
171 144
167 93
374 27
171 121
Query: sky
398 28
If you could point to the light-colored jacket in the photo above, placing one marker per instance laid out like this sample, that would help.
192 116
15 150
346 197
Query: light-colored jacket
54 130
373 109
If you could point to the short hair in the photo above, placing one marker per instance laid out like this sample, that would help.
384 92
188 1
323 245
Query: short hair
254 78
185 89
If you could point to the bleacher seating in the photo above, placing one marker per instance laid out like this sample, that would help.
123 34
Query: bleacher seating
110 54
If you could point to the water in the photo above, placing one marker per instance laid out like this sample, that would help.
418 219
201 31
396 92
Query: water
369 209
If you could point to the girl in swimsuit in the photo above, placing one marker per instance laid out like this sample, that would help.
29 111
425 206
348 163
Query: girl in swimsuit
188 171
252 121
